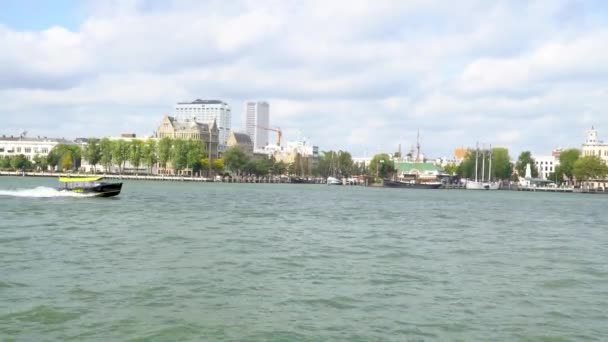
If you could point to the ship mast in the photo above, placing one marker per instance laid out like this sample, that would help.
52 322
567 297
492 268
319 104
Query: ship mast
418 147
483 164
490 168
476 159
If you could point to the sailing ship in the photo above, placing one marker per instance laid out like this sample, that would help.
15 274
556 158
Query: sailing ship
483 184
333 180
417 179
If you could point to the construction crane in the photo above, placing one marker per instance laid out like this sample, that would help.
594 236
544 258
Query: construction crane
278 130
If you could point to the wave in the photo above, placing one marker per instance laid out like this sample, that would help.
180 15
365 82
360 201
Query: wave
41 192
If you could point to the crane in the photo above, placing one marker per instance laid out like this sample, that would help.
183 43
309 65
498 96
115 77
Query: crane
278 130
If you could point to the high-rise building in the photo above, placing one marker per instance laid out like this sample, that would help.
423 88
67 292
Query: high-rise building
257 122
207 111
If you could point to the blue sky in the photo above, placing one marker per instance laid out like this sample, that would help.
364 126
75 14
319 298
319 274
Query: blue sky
354 75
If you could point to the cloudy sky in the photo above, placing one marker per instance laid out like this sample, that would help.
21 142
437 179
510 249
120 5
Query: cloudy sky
357 75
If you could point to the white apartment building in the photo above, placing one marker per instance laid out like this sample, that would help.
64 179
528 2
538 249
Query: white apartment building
206 111
595 147
546 165
257 122
28 146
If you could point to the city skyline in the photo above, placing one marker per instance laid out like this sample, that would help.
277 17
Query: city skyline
348 75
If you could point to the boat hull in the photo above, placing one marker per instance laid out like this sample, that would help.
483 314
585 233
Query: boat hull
482 185
99 190
406 185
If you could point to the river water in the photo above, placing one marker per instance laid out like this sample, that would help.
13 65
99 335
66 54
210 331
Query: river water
189 261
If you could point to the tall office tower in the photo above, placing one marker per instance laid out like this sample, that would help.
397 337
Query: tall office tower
257 122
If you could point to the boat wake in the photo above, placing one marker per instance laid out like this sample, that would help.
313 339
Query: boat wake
41 192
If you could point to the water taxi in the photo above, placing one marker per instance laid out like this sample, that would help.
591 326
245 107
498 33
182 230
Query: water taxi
89 185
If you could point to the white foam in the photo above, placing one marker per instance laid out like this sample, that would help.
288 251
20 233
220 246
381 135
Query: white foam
41 192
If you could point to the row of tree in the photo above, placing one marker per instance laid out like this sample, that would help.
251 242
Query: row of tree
572 166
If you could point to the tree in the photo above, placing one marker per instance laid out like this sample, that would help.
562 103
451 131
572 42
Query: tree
41 162
381 166
524 159
19 162
164 151
179 155
106 148
345 164
120 154
67 161
58 154
205 165
218 166
501 164
5 162
136 153
589 167
279 168
451 169
235 160
149 154
194 154
92 152
567 159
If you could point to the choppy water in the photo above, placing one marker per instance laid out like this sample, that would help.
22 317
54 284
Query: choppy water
184 261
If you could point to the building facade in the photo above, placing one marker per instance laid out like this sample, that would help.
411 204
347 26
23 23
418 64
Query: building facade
595 147
28 146
241 141
546 165
257 122
172 128
206 112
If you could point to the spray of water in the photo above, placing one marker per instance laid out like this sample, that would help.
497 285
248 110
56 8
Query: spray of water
41 192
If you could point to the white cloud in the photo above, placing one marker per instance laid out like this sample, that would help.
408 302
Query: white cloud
353 75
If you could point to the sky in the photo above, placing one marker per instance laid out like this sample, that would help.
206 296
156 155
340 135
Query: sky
362 76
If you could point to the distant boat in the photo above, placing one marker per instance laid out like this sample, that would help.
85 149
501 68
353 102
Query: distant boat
333 181
483 184
89 185
413 184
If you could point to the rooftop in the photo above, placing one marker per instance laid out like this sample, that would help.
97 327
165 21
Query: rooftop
33 139
199 101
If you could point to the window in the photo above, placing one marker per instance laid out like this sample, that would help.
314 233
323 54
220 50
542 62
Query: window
45 150
35 149
28 150
1 149
18 149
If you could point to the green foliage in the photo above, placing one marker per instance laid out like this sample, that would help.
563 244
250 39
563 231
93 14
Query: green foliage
589 167
5 162
41 162
148 154
179 154
501 164
194 154
524 159
278 168
136 152
19 162
235 160
106 148
567 159
381 166
120 153
204 164
67 161
58 154
332 163
218 166
164 151
92 152
451 169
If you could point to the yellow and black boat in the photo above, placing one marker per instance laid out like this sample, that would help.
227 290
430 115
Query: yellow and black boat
89 185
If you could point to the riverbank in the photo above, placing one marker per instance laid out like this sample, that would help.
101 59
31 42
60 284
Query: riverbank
240 179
